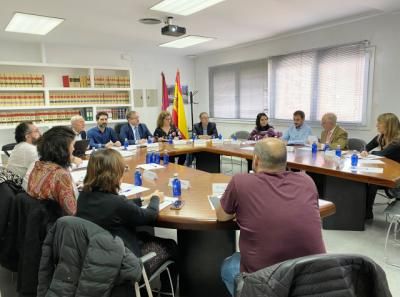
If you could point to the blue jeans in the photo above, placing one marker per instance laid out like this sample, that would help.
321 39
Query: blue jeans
229 270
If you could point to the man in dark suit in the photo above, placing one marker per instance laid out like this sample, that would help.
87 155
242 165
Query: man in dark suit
205 129
78 126
134 131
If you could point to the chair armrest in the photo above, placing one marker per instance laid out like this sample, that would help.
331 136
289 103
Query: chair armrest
148 256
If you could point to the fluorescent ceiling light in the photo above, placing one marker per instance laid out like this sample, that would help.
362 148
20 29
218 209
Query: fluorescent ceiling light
186 41
184 7
32 24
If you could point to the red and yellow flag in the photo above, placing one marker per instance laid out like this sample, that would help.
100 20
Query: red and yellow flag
178 111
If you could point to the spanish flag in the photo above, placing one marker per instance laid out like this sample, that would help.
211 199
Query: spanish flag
178 112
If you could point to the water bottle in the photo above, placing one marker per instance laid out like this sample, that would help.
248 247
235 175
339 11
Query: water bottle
314 148
166 158
338 151
152 158
326 147
149 140
220 136
176 186
193 136
138 177
126 144
234 138
170 140
157 157
354 159
148 158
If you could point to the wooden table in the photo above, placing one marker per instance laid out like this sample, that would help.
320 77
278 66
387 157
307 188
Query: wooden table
346 189
203 242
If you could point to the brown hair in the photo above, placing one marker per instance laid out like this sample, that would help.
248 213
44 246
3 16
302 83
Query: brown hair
392 129
104 172
161 117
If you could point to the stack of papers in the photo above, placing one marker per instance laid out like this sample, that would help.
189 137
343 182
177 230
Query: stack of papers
150 166
130 189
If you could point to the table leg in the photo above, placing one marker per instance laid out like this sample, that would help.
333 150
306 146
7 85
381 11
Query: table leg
349 198
208 162
201 254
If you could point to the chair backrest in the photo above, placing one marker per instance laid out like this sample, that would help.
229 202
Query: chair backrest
318 275
8 147
117 128
241 134
356 144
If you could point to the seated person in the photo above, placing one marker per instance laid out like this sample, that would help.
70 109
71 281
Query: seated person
78 126
134 131
165 129
25 151
262 129
333 135
387 143
277 212
49 178
205 129
298 132
100 203
101 135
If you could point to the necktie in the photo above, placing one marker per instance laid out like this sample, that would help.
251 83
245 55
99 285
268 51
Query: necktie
137 135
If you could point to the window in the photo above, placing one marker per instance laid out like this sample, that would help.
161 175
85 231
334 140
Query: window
238 91
320 81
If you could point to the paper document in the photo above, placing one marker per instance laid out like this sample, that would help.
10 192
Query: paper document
126 153
78 176
185 184
150 166
131 147
214 201
83 165
167 201
322 202
247 148
218 188
368 161
130 189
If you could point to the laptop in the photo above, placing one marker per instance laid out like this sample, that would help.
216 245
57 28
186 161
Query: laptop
80 147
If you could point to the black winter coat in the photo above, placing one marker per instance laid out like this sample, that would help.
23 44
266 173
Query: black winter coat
320 275
81 259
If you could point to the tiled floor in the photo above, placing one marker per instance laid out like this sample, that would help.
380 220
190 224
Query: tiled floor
369 242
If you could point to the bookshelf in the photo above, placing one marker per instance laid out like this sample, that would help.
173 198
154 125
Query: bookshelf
49 94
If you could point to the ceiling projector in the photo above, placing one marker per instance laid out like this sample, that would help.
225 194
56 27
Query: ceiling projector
172 30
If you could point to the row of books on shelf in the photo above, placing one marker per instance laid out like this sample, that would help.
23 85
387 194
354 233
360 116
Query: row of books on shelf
22 99
111 82
115 113
62 98
82 81
39 116
21 80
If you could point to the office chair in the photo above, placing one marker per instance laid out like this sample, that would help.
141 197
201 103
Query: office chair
8 147
147 281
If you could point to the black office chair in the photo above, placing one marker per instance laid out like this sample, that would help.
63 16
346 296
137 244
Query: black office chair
117 129
356 144
8 147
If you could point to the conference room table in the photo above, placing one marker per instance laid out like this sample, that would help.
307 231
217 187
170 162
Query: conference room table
203 241
337 181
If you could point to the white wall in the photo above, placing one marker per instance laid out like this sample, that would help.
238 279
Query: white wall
381 31
146 69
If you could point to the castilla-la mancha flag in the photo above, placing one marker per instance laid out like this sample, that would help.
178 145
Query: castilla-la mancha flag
178 111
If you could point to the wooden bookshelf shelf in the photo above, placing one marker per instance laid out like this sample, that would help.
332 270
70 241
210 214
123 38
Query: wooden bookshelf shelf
60 91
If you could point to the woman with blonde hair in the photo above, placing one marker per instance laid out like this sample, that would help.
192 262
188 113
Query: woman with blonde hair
100 203
386 144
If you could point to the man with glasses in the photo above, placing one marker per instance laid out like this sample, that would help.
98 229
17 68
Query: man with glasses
25 152
134 131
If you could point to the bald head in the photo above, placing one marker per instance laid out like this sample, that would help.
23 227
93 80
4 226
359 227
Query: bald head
270 155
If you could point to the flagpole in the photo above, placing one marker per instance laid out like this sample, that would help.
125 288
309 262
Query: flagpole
191 109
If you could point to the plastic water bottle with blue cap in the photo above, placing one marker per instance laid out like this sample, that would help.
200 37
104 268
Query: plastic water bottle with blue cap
338 151
165 157
157 157
314 147
176 186
220 136
170 140
354 159
149 140
126 144
138 177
